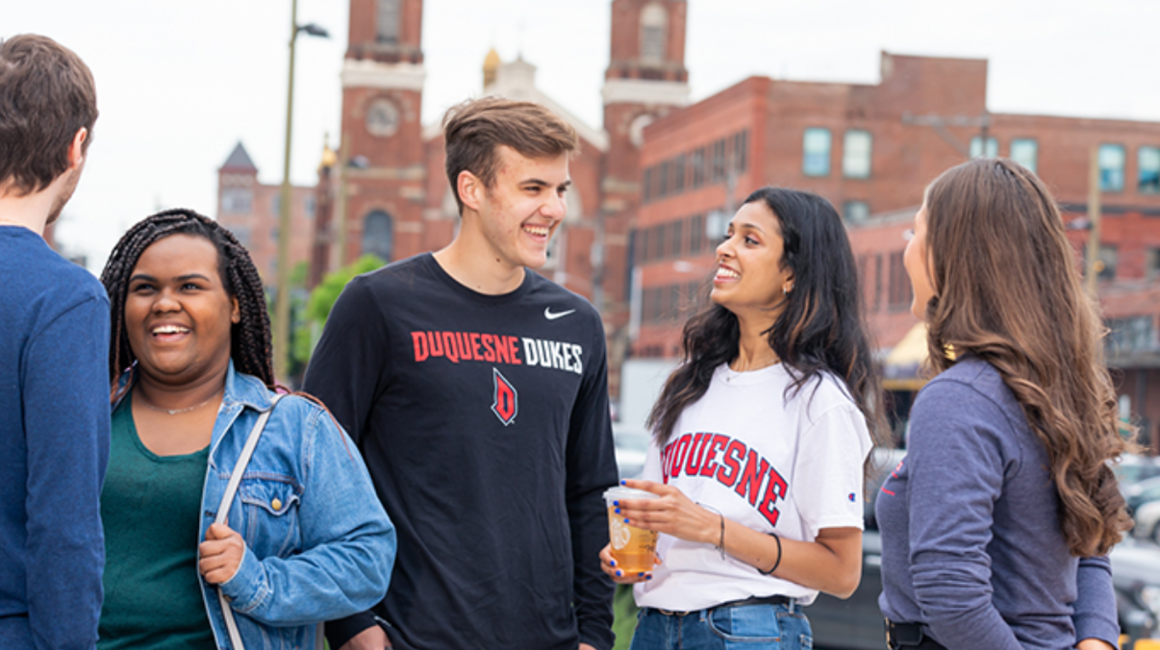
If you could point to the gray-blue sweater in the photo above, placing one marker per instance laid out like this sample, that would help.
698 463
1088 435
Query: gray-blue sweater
54 445
971 542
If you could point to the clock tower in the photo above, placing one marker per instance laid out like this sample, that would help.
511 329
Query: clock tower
646 78
382 92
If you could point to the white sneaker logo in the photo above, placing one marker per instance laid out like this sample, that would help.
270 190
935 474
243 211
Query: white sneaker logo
550 316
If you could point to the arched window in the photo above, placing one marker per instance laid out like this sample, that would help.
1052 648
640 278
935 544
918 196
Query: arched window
387 21
378 235
653 21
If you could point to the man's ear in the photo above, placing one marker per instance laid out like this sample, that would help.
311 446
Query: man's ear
471 190
76 150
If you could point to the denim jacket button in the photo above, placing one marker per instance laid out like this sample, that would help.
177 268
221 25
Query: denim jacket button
276 504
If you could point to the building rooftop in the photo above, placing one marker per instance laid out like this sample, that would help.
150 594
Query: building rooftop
239 160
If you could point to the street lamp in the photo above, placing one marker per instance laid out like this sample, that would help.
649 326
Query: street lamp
282 297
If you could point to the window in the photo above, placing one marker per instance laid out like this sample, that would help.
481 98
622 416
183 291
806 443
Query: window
1111 158
641 241
237 200
658 242
855 212
674 310
1025 151
1148 160
696 234
698 168
691 301
646 185
677 229
276 204
977 148
308 206
387 15
856 154
816 152
719 161
1152 265
242 234
377 235
679 174
741 152
1129 334
899 290
663 185
652 33
877 304
1109 259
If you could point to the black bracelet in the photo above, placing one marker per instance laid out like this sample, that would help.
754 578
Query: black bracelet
775 564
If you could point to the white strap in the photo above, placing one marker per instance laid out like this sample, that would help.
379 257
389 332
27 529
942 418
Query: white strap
224 510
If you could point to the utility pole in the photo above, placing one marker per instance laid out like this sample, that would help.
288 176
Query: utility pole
1094 264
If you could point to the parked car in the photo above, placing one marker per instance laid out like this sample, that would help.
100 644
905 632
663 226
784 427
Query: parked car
631 448
1148 522
1140 493
856 623
1132 469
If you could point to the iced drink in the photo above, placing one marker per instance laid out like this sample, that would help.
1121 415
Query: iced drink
635 549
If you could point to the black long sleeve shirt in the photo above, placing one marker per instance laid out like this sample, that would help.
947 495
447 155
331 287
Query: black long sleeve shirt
484 422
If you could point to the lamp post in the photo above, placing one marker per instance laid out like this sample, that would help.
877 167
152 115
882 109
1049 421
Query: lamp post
282 297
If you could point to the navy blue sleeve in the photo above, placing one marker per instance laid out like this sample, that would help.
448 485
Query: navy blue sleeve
1095 605
346 373
957 461
591 467
66 410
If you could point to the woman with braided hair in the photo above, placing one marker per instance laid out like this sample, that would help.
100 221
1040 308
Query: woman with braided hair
300 541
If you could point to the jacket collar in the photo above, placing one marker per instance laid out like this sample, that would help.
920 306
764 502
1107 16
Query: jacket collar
246 390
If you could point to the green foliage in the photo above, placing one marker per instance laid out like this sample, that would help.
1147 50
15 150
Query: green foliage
323 297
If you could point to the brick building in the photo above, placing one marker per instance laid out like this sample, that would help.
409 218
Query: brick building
251 211
871 150
655 184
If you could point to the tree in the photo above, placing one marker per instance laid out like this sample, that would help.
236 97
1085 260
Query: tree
319 304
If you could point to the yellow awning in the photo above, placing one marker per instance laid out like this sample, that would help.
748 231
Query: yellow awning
903 364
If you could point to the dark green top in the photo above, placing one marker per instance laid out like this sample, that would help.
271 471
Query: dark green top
150 508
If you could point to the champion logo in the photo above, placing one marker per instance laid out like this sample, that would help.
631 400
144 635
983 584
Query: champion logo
553 316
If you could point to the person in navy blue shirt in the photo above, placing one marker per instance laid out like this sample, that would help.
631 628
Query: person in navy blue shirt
996 525
54 333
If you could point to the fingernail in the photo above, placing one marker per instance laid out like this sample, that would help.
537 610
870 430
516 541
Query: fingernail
618 573
626 521
648 577
615 503
612 563
640 574
623 483
618 511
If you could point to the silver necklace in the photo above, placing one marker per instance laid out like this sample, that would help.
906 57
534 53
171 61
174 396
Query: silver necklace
175 411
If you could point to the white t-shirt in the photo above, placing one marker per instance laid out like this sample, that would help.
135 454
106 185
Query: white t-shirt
787 466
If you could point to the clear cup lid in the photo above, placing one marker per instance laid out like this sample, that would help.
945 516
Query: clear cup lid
622 492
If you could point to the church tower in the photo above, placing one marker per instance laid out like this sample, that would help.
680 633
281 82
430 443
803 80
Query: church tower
382 92
646 78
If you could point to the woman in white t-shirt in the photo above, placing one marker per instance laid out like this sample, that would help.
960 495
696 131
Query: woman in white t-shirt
760 438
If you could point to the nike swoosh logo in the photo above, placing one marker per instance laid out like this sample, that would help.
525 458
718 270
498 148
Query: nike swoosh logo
550 316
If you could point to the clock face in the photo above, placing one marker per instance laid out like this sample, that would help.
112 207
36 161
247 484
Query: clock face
382 118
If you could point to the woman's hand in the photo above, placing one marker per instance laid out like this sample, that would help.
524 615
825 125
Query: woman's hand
221 554
673 514
609 566
1094 644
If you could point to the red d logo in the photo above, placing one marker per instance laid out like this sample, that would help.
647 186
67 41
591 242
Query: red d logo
507 402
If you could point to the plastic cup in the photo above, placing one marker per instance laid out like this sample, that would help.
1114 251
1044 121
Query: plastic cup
634 549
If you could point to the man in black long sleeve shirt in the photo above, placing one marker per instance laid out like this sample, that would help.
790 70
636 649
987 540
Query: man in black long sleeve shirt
477 392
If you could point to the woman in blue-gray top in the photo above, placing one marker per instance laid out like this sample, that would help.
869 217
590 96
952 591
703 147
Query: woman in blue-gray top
995 525
305 537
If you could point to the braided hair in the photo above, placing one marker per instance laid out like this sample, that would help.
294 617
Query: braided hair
250 346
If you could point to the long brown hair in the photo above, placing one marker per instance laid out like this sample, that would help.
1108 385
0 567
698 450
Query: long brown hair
821 330
1007 290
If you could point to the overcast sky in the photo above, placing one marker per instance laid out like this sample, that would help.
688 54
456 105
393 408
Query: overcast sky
179 84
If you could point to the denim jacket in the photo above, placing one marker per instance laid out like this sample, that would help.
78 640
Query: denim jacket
318 544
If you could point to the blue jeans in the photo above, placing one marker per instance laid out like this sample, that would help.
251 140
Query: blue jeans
772 627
